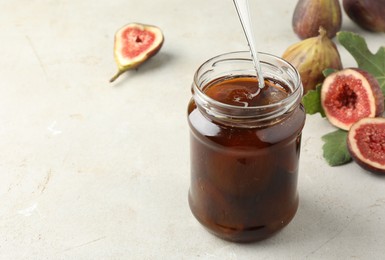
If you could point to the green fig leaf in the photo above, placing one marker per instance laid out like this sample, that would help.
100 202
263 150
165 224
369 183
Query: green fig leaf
335 149
312 101
366 60
328 71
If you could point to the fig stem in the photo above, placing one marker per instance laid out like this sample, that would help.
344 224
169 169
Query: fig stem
322 31
120 72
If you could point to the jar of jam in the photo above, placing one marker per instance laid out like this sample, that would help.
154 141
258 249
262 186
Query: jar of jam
245 146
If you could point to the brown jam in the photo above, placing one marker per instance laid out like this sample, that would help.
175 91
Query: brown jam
244 179
245 91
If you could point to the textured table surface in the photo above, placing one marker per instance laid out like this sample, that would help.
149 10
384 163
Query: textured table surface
93 170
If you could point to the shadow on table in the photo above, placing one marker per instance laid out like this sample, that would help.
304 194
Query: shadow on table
322 226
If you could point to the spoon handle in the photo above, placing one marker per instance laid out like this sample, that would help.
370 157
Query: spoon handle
242 7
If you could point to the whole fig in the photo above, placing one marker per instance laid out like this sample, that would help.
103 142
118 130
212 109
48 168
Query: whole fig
368 14
310 15
311 57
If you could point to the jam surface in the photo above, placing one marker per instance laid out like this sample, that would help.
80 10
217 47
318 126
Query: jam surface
245 91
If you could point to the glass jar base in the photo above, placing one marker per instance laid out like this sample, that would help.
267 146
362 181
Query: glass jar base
247 235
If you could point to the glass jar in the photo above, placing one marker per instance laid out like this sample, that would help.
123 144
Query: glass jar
244 160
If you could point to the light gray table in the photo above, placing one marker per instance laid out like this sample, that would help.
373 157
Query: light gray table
92 170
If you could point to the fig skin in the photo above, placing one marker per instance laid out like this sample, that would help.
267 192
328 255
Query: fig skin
373 140
127 63
311 57
310 15
368 14
345 116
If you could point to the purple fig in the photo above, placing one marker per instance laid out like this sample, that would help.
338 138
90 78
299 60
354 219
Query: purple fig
310 15
368 14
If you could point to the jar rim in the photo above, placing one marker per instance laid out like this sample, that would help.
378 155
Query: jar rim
295 94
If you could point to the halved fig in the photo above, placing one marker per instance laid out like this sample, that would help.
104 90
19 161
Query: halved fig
349 95
134 44
366 144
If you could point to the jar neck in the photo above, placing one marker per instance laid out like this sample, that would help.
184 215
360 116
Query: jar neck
238 64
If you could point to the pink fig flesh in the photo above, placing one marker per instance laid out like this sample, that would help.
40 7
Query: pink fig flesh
350 95
134 44
366 144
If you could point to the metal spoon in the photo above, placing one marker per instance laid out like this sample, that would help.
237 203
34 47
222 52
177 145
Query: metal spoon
242 7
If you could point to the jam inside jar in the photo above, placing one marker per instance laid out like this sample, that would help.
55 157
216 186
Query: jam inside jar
245 146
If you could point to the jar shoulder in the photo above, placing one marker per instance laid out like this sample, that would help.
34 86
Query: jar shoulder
202 126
